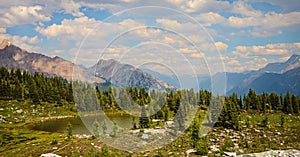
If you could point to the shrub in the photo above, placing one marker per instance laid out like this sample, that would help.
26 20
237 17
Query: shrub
202 146
69 131
282 121
265 122
227 144
54 142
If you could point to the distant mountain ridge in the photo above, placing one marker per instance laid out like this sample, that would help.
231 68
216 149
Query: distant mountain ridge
104 72
127 75
274 77
292 63
16 58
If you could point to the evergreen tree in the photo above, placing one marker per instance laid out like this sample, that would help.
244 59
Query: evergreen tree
287 104
295 104
144 120
195 131
275 101
96 126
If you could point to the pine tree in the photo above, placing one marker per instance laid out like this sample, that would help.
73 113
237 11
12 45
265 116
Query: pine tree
195 129
275 101
287 104
96 126
295 104
144 120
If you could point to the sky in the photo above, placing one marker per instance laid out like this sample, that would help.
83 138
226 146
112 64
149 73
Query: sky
175 37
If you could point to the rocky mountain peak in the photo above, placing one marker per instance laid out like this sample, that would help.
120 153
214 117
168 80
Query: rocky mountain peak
293 59
5 43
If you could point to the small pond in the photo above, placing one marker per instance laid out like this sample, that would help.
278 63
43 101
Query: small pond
80 124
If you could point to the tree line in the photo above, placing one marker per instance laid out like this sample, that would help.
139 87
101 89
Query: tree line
21 85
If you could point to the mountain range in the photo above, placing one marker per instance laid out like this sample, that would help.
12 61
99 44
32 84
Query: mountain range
274 77
104 72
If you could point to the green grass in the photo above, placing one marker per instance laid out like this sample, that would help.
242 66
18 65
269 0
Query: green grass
17 139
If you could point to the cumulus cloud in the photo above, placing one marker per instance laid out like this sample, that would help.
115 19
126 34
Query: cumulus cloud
198 55
25 42
210 18
23 15
71 29
78 28
2 30
176 25
71 7
221 46
242 8
280 49
268 20
191 6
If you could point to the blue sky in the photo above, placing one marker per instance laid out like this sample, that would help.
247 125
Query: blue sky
186 36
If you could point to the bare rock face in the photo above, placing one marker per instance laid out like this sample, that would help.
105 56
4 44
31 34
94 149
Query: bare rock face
4 43
277 153
13 57
125 75
105 71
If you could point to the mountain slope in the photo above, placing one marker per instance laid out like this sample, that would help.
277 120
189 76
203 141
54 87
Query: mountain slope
14 57
292 63
170 79
107 71
123 75
275 77
274 82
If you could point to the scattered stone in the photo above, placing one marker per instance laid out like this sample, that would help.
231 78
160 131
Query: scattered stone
278 133
82 136
50 155
214 148
277 153
145 136
190 151
241 151
19 111
257 130
230 153
54 148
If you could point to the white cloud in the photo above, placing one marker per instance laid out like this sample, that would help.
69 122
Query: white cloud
289 6
256 63
2 30
210 18
69 29
23 15
281 49
265 32
188 50
128 1
241 7
221 46
175 25
71 7
198 55
268 20
24 42
191 6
